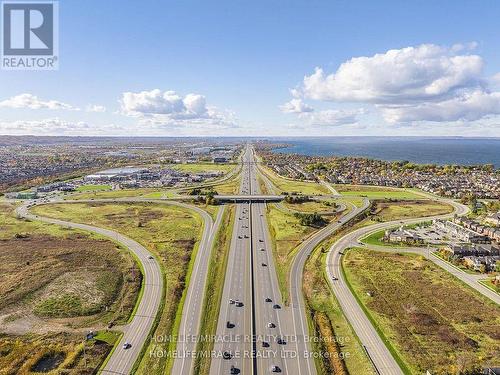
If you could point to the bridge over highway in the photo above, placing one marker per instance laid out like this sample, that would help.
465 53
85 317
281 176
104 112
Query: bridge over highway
249 198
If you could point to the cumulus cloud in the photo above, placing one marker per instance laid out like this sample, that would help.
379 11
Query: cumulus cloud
412 84
295 105
469 106
399 75
95 108
168 108
29 101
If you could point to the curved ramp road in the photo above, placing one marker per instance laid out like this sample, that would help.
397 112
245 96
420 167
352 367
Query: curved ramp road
380 356
299 313
137 331
193 304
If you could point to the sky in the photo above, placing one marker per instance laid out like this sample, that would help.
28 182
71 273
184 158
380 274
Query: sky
264 68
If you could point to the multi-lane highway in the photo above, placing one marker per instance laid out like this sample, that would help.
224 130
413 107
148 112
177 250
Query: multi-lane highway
379 354
252 318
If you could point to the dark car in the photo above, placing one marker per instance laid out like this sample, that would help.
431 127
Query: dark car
234 370
227 355
229 324
277 307
265 344
264 265
269 299
280 341
275 369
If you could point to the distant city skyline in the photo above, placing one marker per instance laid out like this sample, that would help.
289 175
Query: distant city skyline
295 68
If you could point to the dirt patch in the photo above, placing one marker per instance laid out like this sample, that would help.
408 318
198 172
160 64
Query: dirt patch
43 276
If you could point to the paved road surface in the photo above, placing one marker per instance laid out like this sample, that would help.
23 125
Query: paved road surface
378 352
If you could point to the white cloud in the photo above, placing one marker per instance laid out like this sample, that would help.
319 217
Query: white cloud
95 108
399 75
171 109
29 101
470 106
295 106
413 84
55 126
332 117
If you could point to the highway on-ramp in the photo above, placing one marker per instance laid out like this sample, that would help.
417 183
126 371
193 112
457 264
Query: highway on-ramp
379 354
137 331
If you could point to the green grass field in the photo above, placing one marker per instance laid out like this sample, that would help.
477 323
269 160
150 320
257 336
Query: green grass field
85 188
432 320
374 192
293 186
286 234
203 167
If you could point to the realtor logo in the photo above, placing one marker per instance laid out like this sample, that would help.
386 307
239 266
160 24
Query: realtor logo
30 35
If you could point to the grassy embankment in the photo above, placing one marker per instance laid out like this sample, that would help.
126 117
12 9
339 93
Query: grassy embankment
283 184
214 289
170 232
377 192
431 320
54 280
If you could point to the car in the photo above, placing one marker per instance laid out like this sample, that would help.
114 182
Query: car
264 265
271 325
127 345
269 299
334 278
234 370
280 341
240 237
265 344
239 303
261 240
275 369
339 221
276 306
229 324
246 235
227 355
231 301
262 249
150 257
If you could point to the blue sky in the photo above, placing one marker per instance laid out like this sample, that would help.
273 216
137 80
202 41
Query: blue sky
228 68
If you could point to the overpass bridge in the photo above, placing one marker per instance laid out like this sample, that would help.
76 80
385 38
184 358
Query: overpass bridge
249 198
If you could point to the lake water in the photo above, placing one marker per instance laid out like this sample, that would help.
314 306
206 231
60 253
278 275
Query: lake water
428 150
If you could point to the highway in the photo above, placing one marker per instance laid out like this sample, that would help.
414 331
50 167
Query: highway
256 328
137 331
380 356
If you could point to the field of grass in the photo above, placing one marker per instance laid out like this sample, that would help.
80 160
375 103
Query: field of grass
214 290
170 232
375 192
293 186
111 194
312 206
389 211
203 167
55 280
286 234
432 320
84 188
